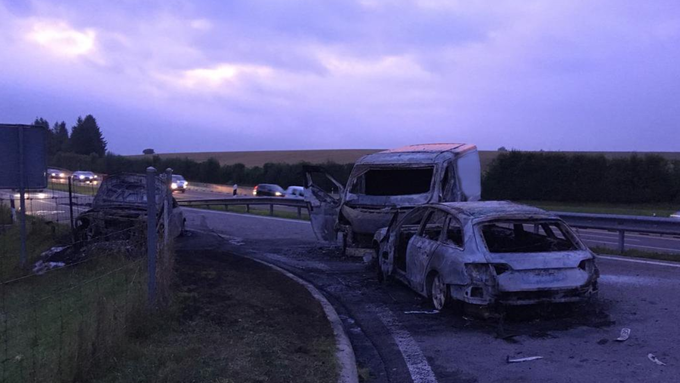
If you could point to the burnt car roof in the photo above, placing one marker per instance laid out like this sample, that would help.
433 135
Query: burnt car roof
480 210
420 153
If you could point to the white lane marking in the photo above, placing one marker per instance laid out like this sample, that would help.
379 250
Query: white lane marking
633 245
633 260
420 370
245 215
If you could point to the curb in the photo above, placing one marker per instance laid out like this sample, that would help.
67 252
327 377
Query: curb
344 352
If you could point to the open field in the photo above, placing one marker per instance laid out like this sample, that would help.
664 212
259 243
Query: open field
259 158
342 156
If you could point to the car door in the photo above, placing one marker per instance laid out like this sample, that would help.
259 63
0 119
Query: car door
423 245
448 259
322 202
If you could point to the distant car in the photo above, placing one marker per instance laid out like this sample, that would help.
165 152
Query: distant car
179 183
56 174
84 176
268 190
295 192
486 253
676 215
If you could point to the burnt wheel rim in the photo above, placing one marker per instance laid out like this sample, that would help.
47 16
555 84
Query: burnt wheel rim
438 293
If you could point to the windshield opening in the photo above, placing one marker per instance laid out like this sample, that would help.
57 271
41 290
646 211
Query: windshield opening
393 182
527 237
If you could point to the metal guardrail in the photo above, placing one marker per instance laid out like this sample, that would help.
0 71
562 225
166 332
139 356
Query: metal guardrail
248 202
622 224
611 222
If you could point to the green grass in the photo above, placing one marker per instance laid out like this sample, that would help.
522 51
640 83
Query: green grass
234 320
658 210
58 326
261 211
78 188
638 254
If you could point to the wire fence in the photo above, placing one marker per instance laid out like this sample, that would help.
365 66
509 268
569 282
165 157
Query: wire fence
70 308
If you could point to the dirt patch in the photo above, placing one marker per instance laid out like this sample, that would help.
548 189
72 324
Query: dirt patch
234 320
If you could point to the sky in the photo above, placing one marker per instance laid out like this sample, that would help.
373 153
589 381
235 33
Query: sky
188 76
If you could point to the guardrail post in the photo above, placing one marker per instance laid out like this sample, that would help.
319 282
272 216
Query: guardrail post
167 205
622 236
271 209
226 207
299 209
247 208
151 233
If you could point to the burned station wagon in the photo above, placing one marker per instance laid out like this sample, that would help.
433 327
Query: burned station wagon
484 253
383 183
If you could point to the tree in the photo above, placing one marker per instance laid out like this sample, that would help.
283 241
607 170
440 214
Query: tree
87 138
148 151
60 137
502 149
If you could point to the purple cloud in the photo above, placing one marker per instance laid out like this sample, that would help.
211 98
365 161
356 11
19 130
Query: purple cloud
249 75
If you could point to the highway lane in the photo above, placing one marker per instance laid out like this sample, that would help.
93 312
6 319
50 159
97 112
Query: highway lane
398 338
592 238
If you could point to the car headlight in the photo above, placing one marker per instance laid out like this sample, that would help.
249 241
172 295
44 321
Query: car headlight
186 184
173 185
278 194
95 176
254 192
61 175
479 273
82 177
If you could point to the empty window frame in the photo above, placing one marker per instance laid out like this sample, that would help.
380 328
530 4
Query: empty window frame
522 237
394 181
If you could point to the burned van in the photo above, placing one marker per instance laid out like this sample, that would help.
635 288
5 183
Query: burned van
383 183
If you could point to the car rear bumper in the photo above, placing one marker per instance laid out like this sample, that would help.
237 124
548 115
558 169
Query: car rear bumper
487 295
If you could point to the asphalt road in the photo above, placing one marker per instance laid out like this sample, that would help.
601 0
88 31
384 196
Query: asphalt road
398 338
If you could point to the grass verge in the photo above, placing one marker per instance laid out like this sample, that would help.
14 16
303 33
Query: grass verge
234 320
78 188
638 254
659 210
58 326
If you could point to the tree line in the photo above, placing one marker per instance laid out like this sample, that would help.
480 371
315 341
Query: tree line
85 137
541 176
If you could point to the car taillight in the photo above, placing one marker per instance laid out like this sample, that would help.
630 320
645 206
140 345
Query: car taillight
479 273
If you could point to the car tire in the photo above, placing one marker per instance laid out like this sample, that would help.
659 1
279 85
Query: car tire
438 292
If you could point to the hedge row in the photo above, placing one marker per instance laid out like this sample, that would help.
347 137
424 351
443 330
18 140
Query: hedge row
540 176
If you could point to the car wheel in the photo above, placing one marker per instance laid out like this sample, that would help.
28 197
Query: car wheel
438 292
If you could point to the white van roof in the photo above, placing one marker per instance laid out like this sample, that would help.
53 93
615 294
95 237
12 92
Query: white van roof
420 153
